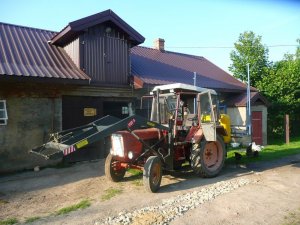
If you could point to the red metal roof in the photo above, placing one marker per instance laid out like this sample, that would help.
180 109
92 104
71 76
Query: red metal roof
73 29
25 52
156 67
241 99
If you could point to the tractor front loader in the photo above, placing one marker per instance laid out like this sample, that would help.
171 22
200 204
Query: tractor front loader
68 141
185 126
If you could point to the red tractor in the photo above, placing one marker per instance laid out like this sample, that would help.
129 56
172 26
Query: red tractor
185 126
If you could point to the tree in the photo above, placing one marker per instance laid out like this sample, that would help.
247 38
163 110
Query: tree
249 49
281 87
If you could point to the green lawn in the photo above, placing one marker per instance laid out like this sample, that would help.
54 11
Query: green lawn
9 221
276 150
81 205
110 193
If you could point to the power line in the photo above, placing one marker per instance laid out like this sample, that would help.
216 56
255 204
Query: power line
229 47
274 46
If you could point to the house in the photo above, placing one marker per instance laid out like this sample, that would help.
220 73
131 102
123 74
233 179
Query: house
93 67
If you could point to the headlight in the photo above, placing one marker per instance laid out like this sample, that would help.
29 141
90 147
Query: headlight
117 145
130 155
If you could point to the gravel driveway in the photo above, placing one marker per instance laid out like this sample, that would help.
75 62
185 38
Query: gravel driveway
261 193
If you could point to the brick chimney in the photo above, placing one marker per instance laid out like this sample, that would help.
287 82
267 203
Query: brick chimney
159 44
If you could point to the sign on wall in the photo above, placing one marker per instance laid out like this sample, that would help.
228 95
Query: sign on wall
89 112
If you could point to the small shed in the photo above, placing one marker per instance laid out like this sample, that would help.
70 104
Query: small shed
237 110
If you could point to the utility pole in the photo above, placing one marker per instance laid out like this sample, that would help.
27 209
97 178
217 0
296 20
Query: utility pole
195 74
248 102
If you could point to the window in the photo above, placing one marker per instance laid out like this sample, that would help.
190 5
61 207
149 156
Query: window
3 113
125 110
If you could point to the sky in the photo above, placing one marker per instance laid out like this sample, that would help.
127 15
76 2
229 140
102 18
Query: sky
207 28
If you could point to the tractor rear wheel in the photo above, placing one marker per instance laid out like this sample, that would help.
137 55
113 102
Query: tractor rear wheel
152 174
113 170
207 157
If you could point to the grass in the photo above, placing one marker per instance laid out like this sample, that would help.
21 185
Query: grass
81 205
32 219
110 193
9 221
2 202
292 218
137 176
135 172
270 152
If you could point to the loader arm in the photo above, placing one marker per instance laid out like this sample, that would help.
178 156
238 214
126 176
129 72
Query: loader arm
65 142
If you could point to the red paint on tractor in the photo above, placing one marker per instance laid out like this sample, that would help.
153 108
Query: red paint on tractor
134 145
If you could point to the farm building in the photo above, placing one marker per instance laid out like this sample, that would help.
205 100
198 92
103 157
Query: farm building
93 67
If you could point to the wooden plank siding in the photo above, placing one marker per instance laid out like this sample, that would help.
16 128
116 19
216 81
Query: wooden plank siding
93 58
104 56
72 50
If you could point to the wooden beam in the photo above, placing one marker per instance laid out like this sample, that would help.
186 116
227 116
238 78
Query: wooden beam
287 129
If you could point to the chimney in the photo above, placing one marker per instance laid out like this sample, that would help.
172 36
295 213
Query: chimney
159 44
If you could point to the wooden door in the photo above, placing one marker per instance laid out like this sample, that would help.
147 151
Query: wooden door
257 136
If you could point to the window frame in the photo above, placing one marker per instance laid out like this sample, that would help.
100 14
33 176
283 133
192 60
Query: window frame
125 110
3 121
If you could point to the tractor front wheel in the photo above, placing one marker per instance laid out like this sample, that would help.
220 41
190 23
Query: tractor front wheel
207 157
113 169
152 174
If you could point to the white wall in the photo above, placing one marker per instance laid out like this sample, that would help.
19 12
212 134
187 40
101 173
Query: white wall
238 120
237 116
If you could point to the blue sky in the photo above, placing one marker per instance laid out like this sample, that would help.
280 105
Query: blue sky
198 27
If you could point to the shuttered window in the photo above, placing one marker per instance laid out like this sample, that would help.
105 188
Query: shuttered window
3 113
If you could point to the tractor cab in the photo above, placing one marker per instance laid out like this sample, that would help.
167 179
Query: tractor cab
184 106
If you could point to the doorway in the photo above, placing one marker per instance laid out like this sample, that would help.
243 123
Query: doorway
257 136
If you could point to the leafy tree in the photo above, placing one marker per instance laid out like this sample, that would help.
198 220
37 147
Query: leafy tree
282 86
249 49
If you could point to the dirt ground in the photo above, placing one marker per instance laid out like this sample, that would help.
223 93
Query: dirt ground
272 197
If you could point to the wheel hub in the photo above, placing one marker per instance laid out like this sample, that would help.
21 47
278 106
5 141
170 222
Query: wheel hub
155 174
211 154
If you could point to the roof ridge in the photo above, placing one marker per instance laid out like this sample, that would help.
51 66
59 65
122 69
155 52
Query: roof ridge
107 11
172 52
74 28
22 26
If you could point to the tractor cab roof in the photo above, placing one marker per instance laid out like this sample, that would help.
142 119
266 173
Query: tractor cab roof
179 87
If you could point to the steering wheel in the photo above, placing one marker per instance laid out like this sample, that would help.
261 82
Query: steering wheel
195 118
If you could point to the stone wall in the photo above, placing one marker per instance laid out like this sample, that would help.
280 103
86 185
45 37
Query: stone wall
34 111
30 120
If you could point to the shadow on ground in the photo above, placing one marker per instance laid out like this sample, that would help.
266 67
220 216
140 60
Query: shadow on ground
187 179
176 180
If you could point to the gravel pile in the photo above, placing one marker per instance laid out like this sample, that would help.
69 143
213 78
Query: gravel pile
174 207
